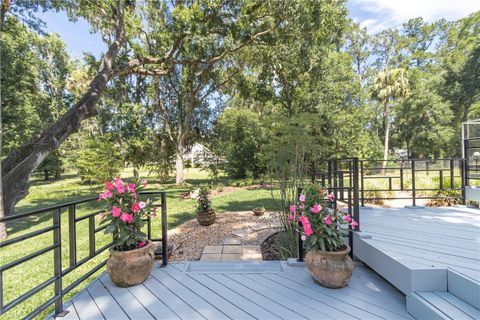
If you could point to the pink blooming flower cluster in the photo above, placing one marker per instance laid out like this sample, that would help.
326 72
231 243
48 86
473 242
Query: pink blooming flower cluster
320 222
125 212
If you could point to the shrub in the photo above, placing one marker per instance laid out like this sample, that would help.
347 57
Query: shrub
240 136
204 204
99 159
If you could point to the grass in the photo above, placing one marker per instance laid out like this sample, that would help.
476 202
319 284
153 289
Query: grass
23 278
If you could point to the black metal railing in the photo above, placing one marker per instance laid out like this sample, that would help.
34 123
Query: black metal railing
346 191
59 272
403 176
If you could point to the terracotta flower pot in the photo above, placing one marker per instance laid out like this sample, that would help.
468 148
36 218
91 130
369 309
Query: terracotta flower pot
330 269
206 218
259 211
129 268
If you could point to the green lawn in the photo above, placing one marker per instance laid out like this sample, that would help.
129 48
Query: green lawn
27 276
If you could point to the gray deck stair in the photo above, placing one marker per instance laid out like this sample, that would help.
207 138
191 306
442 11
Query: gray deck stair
434 262
440 305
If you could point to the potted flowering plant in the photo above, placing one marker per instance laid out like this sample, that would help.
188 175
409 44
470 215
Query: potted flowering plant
132 256
321 228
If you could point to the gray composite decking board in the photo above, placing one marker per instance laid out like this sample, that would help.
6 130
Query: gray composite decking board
465 262
225 306
333 311
71 313
435 259
182 309
198 303
86 307
301 308
155 306
442 247
131 306
326 299
281 311
444 306
383 301
241 302
105 302
460 304
364 302
432 237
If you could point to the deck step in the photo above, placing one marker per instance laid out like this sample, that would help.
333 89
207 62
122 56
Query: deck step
440 305
464 288
234 266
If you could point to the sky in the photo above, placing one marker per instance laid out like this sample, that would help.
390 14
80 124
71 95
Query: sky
376 15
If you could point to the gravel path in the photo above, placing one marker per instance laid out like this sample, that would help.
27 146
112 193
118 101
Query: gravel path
189 239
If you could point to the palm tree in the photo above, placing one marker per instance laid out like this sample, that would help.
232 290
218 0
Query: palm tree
388 86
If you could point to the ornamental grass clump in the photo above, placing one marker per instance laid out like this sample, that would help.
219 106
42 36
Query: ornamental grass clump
125 214
321 224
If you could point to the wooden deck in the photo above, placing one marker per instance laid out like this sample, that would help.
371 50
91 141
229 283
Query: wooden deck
238 290
427 238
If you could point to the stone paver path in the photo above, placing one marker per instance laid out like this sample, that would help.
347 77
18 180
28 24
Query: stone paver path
231 250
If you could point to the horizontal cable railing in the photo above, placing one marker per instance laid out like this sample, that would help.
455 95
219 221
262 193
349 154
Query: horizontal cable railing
94 250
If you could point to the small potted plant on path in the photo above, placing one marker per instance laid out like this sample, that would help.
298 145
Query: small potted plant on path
321 228
205 213
132 255
260 211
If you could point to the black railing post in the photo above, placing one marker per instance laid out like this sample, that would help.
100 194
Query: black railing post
401 175
361 182
91 235
57 261
413 183
463 179
164 230
329 176
356 207
300 241
335 183
440 173
340 185
452 174
72 236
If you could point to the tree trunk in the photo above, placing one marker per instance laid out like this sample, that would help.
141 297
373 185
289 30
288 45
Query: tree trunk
179 165
387 131
135 172
20 163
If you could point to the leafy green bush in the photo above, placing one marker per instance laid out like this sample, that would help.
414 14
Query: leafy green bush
204 204
99 159
240 136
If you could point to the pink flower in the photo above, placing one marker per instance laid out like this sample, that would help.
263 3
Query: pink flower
354 224
144 182
304 220
341 210
109 186
304 237
347 218
301 206
120 188
136 207
331 197
307 228
142 244
316 208
126 218
302 198
131 187
291 217
293 208
154 214
116 211
327 220
105 195
142 204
